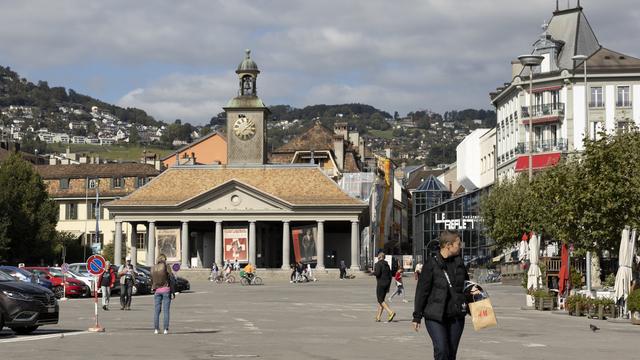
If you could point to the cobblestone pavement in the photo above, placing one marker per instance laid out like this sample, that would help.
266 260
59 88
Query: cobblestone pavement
325 320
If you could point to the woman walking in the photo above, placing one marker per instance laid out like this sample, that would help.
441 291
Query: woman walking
399 286
383 283
162 282
440 298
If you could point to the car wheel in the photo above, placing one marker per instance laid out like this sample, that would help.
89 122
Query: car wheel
134 290
58 291
24 330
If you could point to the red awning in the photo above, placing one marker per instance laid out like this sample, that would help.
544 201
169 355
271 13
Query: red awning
539 161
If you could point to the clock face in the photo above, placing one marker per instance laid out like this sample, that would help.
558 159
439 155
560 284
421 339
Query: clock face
244 128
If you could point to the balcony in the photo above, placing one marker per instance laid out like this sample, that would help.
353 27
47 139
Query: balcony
556 145
544 110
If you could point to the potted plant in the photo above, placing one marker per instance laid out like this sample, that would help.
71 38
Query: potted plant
606 308
543 300
633 304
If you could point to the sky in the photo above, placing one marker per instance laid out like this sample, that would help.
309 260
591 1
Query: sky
177 59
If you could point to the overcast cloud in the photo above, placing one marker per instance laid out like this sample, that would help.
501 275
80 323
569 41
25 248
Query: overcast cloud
177 59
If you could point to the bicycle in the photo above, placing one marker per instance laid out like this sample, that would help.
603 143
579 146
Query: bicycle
253 280
230 279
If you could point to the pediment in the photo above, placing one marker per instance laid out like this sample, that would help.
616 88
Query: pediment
235 196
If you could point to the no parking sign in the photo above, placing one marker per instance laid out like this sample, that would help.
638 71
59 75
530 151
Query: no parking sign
96 264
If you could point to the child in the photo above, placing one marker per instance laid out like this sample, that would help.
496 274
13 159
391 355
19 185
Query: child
399 286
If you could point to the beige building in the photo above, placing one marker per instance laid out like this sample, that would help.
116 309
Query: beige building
265 214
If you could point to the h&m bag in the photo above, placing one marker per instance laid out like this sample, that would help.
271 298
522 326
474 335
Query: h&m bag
482 314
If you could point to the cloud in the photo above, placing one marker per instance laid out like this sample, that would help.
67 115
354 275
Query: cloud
407 55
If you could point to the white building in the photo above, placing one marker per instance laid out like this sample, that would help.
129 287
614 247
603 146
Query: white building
474 159
559 101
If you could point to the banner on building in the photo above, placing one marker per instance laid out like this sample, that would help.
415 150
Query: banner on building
168 243
304 243
236 244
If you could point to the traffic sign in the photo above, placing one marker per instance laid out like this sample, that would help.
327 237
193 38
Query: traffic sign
96 264
65 268
175 267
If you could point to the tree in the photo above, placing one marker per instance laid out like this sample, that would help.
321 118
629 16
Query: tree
28 216
134 137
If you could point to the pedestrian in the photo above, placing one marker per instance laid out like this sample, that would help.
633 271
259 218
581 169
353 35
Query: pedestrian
107 279
236 265
416 272
162 287
440 297
310 273
294 269
382 271
343 270
214 272
399 286
127 275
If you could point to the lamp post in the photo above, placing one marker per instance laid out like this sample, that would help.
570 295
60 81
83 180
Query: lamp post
584 58
530 61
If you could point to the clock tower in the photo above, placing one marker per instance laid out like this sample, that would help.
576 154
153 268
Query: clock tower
247 119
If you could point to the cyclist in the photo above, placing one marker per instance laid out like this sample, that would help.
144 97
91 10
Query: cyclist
249 271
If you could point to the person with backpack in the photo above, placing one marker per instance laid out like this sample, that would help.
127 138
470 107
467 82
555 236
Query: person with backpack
383 282
163 289
440 297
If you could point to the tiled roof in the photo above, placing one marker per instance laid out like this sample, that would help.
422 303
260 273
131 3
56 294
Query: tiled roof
295 185
317 137
81 171
420 176
607 60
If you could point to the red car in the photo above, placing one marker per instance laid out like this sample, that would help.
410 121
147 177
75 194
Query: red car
73 287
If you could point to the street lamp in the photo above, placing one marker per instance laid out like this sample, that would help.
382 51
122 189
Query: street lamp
530 61
584 58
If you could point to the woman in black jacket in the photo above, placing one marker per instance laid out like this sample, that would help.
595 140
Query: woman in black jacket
440 298
383 283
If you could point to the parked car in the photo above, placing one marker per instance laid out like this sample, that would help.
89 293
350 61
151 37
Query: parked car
87 280
141 286
26 276
24 306
73 287
80 268
182 284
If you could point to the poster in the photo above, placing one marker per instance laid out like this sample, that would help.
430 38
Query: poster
407 262
168 243
304 243
236 244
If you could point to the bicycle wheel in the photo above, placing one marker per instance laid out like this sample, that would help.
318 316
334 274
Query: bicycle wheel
218 279
257 280
244 281
231 279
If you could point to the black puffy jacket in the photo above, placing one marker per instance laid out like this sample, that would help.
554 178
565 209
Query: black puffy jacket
433 289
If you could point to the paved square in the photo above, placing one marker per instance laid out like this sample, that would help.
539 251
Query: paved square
325 320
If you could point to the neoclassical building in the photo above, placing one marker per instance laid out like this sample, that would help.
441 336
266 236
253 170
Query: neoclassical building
265 214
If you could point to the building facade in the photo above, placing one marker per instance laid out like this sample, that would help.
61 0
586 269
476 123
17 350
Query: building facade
565 109
210 149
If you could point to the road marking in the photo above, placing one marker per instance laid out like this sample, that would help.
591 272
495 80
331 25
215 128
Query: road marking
234 356
43 337
534 345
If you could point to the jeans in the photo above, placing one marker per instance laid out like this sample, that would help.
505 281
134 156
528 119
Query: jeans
445 336
162 303
126 291
106 294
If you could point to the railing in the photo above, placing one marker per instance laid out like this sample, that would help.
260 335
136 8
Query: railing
596 104
620 103
555 109
544 146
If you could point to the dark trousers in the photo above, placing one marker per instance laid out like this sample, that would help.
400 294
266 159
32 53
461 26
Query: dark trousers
126 291
445 336
343 273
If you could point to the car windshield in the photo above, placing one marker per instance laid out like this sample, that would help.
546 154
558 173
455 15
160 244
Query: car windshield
55 272
74 274
6 277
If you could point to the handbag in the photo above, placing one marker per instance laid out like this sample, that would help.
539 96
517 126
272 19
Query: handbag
482 314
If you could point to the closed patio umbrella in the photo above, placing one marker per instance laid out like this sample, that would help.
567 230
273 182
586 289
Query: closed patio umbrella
534 274
625 261
563 276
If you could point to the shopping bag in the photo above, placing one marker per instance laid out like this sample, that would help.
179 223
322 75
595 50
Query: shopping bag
482 314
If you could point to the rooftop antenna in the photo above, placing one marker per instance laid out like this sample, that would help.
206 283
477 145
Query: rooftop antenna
557 5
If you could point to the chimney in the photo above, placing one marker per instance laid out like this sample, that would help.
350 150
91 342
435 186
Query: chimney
193 158
342 129
516 68
338 150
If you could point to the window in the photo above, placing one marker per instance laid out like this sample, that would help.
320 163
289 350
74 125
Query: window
93 210
140 181
140 241
71 211
64 184
92 183
117 182
597 99
624 97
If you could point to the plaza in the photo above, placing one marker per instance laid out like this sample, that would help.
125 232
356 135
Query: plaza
330 319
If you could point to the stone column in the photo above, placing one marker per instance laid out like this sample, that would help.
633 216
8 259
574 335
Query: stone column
355 240
218 244
185 244
252 242
134 244
151 243
117 246
286 245
320 245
